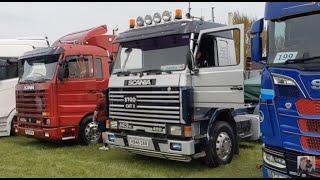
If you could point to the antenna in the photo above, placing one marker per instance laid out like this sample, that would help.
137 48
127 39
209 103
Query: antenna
212 13
189 9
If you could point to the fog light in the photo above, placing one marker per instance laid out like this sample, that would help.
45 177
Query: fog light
46 134
175 146
111 137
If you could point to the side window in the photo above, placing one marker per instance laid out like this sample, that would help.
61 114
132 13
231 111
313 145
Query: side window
79 67
8 68
99 71
219 49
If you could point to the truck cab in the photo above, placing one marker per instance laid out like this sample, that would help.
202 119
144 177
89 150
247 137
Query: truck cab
174 89
10 51
60 86
289 100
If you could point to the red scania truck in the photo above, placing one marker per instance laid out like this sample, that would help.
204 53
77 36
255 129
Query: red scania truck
59 86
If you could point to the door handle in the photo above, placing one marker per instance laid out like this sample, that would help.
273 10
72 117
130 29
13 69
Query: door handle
240 88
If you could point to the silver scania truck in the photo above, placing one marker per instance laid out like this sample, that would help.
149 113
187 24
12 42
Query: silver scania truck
177 90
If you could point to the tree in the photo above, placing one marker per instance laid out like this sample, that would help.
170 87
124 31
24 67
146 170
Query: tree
238 18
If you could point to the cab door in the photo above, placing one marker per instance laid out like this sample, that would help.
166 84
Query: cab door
219 58
77 92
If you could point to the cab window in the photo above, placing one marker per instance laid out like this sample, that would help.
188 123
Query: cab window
79 67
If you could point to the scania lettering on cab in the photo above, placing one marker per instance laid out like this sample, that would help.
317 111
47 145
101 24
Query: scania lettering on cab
59 86
167 103
290 93
10 51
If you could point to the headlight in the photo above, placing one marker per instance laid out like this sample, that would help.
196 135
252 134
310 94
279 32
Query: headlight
148 19
279 80
274 161
157 17
140 21
114 124
166 16
175 130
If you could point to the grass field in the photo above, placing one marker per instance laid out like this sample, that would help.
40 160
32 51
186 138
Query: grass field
25 157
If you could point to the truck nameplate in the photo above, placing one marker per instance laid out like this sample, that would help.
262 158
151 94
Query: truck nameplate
140 82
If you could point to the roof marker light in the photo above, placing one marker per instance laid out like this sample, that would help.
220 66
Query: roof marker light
132 23
178 14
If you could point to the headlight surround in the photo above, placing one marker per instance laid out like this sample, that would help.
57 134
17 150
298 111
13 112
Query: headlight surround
274 160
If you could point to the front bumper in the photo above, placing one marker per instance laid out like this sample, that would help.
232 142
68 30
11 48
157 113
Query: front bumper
160 148
49 134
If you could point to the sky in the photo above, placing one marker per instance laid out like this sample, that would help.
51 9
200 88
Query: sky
56 19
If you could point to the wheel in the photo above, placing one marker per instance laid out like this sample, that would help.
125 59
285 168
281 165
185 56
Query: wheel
88 132
221 145
12 131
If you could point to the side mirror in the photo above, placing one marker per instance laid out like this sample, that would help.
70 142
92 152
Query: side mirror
189 57
256 41
61 71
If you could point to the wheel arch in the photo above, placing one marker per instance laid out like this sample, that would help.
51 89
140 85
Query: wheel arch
223 114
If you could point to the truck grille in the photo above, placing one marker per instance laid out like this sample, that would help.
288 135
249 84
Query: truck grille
31 103
160 105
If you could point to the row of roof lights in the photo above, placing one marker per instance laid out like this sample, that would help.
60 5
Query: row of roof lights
148 19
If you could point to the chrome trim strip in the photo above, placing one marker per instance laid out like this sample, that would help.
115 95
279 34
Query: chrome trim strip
144 111
144 92
144 119
144 115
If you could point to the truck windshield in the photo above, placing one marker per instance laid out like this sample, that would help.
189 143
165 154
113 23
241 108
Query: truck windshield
166 53
39 68
294 41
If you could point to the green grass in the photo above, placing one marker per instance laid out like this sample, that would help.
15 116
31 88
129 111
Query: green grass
26 157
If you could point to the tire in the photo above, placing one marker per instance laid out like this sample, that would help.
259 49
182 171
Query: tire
86 134
215 156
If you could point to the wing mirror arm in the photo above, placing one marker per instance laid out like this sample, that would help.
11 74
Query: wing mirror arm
191 62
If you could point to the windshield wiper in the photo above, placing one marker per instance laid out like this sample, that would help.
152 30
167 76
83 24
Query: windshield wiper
123 73
155 71
302 60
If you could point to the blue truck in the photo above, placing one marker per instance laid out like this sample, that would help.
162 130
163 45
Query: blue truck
290 88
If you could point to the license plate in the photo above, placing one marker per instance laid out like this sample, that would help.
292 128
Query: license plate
139 142
29 132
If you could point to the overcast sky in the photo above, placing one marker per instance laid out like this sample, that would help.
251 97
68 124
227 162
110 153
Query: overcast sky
55 19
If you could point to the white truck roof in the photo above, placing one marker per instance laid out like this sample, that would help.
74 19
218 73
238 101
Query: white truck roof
16 47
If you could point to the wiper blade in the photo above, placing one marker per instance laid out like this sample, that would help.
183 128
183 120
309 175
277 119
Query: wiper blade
302 60
155 71
123 73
